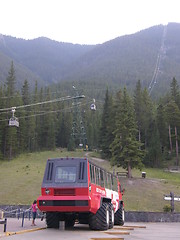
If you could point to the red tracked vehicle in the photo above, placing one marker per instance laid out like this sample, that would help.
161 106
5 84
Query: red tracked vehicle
77 189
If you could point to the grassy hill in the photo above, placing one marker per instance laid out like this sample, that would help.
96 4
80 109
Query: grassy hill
20 181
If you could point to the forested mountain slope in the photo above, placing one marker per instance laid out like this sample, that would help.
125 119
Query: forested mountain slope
41 58
153 52
149 55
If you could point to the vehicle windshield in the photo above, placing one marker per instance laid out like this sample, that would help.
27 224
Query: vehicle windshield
65 174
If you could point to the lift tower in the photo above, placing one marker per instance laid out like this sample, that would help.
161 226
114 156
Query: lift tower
78 129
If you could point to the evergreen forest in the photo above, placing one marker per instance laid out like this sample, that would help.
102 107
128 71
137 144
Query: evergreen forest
128 128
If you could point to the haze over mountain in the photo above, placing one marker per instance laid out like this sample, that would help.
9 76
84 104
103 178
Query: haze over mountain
151 55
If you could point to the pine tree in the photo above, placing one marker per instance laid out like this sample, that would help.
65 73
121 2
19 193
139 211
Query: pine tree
125 148
24 127
64 126
48 125
25 93
138 107
147 118
2 121
28 130
92 121
10 133
175 94
39 119
106 132
144 113
173 114
36 118
173 120
154 154
162 127
11 82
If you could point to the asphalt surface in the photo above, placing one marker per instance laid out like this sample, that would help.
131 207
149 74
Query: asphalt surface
131 231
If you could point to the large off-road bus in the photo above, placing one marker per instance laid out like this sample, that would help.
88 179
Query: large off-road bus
76 189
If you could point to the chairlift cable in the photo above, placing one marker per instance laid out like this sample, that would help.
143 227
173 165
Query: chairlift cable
30 95
42 113
41 103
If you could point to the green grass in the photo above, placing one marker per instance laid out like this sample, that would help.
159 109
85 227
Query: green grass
161 174
148 194
21 178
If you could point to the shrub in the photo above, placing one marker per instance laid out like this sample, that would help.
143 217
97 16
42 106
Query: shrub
167 208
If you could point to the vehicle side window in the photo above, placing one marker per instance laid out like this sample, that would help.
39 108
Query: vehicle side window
109 182
105 180
115 187
102 177
92 173
97 175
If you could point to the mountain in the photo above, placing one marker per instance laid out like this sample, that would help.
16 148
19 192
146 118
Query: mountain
41 59
151 55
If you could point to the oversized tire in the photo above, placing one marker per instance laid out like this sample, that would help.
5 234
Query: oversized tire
111 215
119 216
100 220
52 219
83 218
69 221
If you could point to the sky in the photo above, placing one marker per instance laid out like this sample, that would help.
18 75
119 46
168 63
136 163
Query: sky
83 21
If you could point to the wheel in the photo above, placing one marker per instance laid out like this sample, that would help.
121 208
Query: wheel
69 223
119 216
83 218
111 215
52 219
100 220
69 220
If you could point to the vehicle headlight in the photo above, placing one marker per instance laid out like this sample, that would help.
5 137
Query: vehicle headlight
47 191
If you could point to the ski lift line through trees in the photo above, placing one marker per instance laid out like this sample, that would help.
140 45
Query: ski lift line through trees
158 61
44 113
45 102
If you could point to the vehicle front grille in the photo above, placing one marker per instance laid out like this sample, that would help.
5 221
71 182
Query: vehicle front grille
64 192
61 203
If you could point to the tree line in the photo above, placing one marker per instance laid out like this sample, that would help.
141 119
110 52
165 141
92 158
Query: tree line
132 130
136 131
41 126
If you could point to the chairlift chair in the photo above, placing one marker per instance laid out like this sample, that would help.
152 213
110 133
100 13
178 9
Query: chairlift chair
93 106
13 121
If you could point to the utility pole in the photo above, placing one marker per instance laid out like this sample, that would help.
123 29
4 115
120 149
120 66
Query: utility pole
172 201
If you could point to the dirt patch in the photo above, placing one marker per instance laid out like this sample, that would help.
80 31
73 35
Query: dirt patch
98 159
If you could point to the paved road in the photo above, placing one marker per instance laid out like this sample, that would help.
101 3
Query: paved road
131 231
